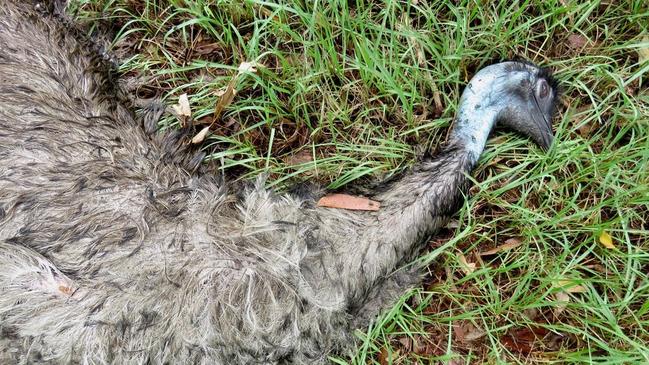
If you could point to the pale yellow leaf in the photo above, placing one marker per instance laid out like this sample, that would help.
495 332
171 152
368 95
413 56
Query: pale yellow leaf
198 138
467 267
643 52
569 286
248 67
183 108
349 202
606 240
563 299
508 245
576 289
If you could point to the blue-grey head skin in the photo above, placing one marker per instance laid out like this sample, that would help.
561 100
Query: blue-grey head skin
517 95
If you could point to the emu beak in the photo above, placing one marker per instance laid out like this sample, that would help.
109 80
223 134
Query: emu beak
543 135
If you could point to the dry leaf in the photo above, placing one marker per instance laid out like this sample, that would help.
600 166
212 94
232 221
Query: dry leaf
183 108
467 267
587 129
466 332
65 290
225 99
563 299
344 201
220 92
226 96
247 67
265 12
406 342
473 333
577 41
577 289
383 356
386 358
437 99
453 224
198 138
207 48
508 245
524 340
643 52
606 240
459 333
299 158
569 286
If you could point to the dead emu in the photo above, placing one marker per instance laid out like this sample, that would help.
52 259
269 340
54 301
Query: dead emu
111 251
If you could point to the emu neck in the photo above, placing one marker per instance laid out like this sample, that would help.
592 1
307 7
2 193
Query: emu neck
476 116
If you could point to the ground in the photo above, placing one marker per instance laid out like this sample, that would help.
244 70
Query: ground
548 260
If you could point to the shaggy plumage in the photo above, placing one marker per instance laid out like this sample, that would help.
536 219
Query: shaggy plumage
117 246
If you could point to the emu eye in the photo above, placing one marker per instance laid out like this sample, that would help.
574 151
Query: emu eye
544 89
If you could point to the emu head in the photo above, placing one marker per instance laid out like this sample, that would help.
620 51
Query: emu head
530 94
513 94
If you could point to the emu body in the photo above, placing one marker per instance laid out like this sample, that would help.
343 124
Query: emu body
117 247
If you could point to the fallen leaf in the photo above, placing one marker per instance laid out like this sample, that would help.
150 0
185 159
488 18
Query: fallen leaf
226 96
577 289
562 299
459 333
577 41
570 286
474 333
525 340
587 129
508 245
566 287
299 158
198 138
265 12
220 92
65 289
406 342
439 107
207 48
467 267
349 202
606 240
385 357
643 52
183 108
597 267
225 99
466 332
452 224
247 67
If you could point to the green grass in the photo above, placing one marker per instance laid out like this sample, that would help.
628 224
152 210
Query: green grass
363 87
